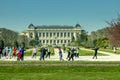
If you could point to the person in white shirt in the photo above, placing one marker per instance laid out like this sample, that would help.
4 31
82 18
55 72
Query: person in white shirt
34 52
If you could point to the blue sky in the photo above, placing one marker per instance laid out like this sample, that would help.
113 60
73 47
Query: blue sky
90 14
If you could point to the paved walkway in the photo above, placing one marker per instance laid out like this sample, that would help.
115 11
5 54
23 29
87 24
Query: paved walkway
110 57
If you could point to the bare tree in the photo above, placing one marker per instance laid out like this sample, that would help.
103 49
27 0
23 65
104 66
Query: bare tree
114 32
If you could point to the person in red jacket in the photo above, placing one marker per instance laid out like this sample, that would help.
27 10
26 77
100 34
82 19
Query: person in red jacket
18 56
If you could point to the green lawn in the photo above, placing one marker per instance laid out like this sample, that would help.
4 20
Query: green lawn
25 71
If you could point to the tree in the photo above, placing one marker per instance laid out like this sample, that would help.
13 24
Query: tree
23 45
36 36
8 36
1 44
72 38
33 42
114 32
102 42
16 44
23 40
82 38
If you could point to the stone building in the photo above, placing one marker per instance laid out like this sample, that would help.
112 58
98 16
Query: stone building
54 35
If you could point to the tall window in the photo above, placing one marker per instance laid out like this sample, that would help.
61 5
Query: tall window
57 41
64 41
51 41
68 34
50 34
40 41
43 41
61 34
68 41
54 34
47 42
65 34
61 41
57 34
47 34
39 34
72 34
43 34
31 35
54 41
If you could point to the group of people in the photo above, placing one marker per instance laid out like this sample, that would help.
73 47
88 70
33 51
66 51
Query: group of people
71 54
45 52
9 52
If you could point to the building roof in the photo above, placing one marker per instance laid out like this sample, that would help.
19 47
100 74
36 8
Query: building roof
31 26
54 27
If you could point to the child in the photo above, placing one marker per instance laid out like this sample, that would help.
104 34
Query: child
18 56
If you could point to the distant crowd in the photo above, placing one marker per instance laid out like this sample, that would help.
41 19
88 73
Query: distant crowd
13 52
9 52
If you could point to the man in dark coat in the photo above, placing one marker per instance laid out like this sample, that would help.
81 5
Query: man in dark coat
72 55
95 53
1 49
43 52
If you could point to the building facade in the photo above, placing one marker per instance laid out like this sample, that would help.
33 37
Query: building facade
54 35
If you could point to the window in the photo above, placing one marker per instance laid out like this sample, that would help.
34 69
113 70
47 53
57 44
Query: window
54 34
64 41
61 41
43 41
43 34
47 41
68 41
71 34
47 34
54 41
50 34
40 41
57 41
39 34
31 35
68 34
61 34
57 34
65 34
51 41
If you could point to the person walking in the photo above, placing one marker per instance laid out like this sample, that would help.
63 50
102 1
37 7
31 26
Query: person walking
114 49
34 52
60 54
95 52
48 53
1 49
68 56
22 54
14 52
43 52
9 52
18 55
72 55
77 52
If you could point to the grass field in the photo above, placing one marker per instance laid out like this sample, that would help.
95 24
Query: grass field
59 70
